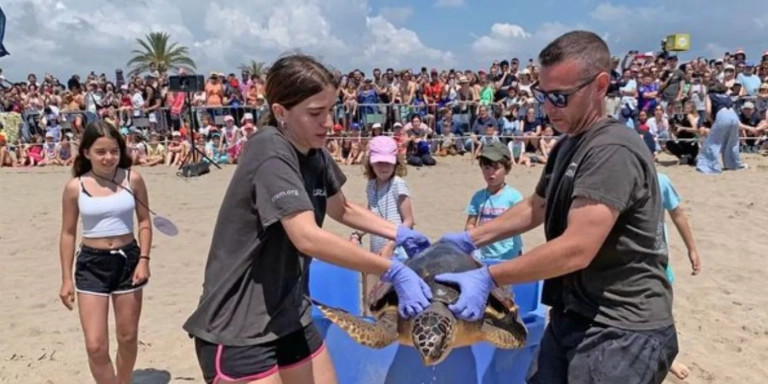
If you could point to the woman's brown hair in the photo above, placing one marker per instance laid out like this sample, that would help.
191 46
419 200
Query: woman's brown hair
293 79
93 131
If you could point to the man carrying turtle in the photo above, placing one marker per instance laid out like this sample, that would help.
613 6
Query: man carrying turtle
605 256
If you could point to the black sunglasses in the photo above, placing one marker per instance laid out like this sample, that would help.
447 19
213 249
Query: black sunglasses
558 98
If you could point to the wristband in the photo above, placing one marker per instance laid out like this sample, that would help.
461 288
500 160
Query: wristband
143 257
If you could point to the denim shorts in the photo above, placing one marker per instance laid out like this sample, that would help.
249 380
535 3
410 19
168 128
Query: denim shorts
107 271
575 349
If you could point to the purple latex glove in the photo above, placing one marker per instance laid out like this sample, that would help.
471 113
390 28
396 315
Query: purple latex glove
475 285
411 240
461 240
412 292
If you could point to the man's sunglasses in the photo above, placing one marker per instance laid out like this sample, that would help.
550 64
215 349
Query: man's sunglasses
558 98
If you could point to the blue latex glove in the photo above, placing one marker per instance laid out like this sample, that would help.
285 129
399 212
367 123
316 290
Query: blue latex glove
412 292
460 240
475 285
411 240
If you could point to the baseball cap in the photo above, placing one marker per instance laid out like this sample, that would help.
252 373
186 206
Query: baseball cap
495 151
748 105
382 149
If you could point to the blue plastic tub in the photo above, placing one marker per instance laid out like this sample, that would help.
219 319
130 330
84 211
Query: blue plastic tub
480 363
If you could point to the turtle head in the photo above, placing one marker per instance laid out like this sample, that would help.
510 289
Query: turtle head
433 332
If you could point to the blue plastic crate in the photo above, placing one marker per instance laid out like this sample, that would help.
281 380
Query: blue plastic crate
481 363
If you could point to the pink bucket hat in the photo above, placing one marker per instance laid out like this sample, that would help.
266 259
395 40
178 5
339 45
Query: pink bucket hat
382 149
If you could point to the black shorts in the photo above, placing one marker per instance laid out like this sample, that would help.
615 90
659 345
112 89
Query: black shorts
107 271
224 363
575 349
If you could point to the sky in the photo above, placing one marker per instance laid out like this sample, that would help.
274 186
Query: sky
63 37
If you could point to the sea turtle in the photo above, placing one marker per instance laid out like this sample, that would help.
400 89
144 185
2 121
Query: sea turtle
435 331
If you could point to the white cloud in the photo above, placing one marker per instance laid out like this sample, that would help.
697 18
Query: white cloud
66 36
610 12
510 40
621 13
449 3
389 46
397 15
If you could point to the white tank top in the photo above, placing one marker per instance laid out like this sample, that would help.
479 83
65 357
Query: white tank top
105 216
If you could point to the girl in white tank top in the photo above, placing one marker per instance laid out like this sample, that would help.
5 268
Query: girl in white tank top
110 262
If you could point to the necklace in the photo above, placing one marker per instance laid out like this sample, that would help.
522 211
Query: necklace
112 180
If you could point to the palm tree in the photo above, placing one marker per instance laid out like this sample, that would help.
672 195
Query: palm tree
157 50
254 67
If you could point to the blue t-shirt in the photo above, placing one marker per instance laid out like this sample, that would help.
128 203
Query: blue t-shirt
488 207
670 200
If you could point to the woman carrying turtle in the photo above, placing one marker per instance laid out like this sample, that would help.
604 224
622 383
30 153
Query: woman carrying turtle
253 322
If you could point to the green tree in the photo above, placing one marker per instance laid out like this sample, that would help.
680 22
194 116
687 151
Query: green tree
254 67
157 49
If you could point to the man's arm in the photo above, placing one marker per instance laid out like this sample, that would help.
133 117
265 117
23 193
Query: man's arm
589 223
522 217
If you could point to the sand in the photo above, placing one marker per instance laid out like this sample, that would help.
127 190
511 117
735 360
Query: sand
721 314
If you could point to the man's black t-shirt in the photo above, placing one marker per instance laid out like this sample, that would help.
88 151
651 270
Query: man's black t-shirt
255 279
625 285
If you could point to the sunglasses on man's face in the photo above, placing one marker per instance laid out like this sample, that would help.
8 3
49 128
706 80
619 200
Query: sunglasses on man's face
558 98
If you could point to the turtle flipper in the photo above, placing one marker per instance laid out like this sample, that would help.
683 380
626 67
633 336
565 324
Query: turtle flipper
511 336
375 335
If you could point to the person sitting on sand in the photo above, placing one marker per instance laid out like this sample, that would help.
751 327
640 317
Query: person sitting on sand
6 158
32 154
176 150
64 151
155 151
50 148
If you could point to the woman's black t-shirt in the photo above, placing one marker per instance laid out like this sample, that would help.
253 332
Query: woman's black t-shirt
255 279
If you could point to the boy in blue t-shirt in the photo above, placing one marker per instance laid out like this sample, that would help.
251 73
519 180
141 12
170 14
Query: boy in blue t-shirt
491 201
671 201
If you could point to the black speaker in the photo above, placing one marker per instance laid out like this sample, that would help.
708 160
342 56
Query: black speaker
186 83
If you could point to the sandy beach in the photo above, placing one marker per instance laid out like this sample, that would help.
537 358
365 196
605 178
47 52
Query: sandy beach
721 314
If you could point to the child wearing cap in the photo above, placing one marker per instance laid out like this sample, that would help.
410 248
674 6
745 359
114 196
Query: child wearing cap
491 201
387 193
388 196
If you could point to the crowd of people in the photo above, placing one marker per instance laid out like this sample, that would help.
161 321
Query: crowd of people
431 112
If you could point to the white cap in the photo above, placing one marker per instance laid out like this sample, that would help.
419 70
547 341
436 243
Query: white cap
376 125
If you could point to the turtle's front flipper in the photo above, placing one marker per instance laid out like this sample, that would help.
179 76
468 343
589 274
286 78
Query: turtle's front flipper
374 335
507 336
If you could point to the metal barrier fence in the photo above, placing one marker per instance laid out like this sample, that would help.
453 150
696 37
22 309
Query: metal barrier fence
464 117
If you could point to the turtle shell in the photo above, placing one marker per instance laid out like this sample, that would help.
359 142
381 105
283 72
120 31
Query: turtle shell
442 257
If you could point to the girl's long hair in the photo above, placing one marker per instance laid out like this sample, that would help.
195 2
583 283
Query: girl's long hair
93 132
